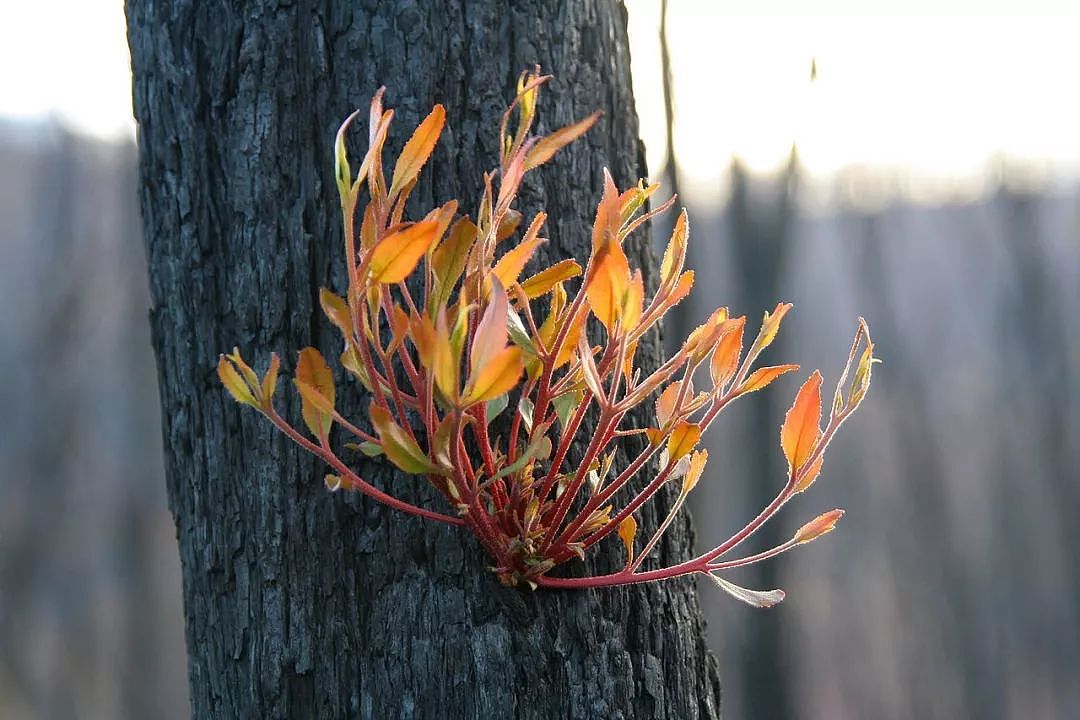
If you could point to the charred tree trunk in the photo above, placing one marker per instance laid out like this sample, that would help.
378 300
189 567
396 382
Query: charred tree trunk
304 604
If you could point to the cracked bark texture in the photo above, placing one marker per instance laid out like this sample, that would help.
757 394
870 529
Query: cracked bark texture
301 603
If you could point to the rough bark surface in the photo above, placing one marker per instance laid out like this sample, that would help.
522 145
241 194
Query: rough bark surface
301 603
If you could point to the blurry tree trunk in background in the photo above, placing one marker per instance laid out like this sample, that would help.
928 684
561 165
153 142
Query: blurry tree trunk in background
300 603
760 227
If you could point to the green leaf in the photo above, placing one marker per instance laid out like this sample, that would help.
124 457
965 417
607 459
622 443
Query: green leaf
399 447
565 405
496 406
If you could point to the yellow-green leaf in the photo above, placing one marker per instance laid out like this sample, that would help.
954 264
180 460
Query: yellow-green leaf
234 383
399 447
448 261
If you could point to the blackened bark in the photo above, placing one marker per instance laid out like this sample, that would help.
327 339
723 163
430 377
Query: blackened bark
304 604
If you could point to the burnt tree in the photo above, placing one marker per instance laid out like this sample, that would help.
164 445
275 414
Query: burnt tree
300 603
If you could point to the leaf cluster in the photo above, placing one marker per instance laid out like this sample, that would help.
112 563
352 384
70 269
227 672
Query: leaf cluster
445 331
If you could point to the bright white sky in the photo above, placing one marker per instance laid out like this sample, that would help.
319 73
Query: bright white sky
938 94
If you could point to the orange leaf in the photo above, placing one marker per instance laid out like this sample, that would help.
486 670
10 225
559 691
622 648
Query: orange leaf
312 370
607 286
683 439
498 376
269 382
655 436
632 301
770 325
697 467
627 532
419 148
510 265
608 218
573 335
337 311
725 359
546 147
808 475
397 255
544 281
763 376
818 526
682 289
675 254
665 404
800 432
508 225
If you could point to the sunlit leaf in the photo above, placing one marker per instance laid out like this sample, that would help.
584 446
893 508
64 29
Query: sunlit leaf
509 224
770 326
697 466
396 255
496 377
800 431
818 526
510 265
809 474
544 281
607 284
418 149
546 147
683 439
665 404
234 383
757 598
491 332
763 376
312 371
725 358
632 301
675 254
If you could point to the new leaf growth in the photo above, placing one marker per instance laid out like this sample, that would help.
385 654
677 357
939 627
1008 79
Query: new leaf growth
444 333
